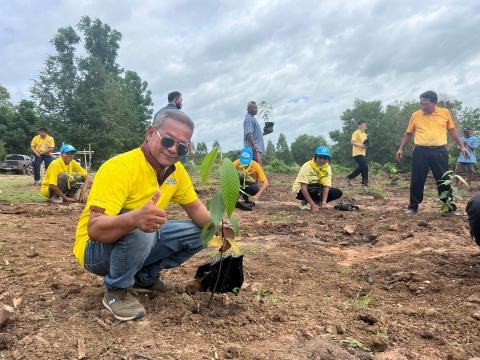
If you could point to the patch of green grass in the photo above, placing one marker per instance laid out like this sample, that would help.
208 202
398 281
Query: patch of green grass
359 301
19 189
2 244
343 271
265 295
354 343
253 250
375 190
274 218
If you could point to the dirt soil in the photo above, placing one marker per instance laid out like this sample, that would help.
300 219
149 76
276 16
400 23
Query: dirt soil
372 284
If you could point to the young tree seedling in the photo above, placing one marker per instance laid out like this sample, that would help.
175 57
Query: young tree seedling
221 205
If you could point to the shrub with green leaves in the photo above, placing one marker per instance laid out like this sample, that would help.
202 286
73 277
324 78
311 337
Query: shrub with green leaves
277 166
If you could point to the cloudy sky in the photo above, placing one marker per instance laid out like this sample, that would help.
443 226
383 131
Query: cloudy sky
309 59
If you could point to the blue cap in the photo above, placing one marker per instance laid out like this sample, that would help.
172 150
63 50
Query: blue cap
467 128
246 156
66 148
323 151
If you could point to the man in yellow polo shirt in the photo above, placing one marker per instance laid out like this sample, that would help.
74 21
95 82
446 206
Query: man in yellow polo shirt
430 125
123 233
313 184
250 173
63 177
359 152
42 146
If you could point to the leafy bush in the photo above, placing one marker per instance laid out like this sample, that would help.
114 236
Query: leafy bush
338 170
279 167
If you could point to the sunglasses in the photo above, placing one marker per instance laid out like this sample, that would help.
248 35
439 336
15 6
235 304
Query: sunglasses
168 142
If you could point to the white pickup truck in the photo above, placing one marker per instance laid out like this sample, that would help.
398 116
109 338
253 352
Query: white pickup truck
18 163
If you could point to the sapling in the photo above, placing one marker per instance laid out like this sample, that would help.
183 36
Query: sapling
264 112
221 205
450 178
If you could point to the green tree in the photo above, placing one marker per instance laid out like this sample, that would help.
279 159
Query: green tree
282 150
17 124
200 151
87 97
216 144
304 147
269 152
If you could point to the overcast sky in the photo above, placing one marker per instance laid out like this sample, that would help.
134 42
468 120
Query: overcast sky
309 59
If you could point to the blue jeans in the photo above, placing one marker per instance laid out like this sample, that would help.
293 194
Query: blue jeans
138 257
47 159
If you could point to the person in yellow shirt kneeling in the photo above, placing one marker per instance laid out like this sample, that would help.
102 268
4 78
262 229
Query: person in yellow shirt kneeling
63 178
251 174
313 184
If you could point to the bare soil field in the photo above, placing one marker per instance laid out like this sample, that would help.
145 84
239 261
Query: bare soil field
371 284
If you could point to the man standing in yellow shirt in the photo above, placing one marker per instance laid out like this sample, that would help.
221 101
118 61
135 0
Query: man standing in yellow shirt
359 152
123 233
63 177
430 125
42 146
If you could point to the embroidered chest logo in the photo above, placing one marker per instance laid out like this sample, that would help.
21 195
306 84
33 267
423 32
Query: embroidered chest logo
171 182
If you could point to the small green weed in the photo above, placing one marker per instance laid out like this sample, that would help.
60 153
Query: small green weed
354 343
375 190
265 295
343 271
2 244
359 301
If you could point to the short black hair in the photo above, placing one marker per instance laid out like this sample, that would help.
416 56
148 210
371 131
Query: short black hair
360 122
173 95
42 129
430 95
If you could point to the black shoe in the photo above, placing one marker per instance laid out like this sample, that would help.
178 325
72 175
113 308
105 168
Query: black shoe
243 206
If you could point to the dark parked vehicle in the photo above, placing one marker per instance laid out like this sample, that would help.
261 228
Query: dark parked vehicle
18 163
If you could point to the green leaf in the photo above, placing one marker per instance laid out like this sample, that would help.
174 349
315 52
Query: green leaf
229 185
207 233
207 164
462 180
444 194
234 246
236 227
216 208
2 244
446 182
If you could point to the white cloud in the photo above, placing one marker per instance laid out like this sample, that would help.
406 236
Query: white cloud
222 54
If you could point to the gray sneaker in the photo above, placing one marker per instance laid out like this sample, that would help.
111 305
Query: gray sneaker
159 285
56 200
122 304
410 212
349 181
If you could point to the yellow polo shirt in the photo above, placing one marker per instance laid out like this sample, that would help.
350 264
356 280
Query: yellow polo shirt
41 145
56 168
127 182
430 130
252 172
308 175
358 136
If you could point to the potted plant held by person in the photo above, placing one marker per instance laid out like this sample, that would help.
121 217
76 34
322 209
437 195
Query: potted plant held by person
265 112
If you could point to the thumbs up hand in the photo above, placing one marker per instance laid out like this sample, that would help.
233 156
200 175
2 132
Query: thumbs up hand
149 218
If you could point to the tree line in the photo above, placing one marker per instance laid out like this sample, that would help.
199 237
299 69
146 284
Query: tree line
83 96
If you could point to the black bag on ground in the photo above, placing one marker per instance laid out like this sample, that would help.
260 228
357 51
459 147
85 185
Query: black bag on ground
346 207
473 211
231 275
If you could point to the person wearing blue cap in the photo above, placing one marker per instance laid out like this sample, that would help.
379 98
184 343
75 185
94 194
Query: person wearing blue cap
250 173
63 178
313 184
467 165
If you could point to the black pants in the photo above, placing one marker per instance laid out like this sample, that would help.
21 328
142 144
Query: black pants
424 159
315 191
473 211
362 168
250 189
